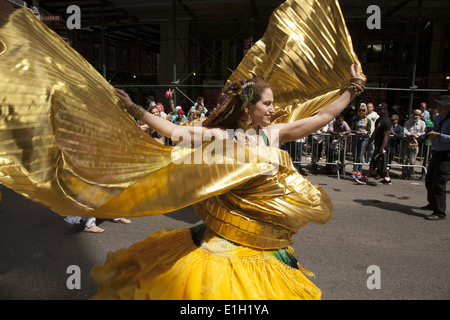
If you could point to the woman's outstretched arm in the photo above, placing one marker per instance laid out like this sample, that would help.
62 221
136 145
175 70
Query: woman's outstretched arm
164 127
304 127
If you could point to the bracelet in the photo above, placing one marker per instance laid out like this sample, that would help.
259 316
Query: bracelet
358 81
357 86
136 111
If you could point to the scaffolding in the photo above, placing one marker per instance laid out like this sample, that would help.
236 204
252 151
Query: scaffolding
181 83
178 84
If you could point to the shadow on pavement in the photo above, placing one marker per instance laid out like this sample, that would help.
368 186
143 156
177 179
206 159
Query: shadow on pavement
391 206
37 247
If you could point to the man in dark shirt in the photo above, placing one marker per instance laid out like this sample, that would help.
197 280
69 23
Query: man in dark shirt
380 138
396 130
439 165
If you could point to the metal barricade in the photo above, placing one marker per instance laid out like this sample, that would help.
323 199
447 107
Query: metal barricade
410 158
320 149
336 153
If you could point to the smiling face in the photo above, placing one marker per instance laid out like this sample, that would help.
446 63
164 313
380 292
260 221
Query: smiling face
261 111
154 110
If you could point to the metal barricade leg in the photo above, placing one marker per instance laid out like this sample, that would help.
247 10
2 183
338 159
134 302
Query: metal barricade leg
407 159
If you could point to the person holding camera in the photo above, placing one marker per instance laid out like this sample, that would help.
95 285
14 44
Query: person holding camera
439 165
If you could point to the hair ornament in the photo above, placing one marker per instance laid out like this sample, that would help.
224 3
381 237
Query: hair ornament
247 93
244 91
234 88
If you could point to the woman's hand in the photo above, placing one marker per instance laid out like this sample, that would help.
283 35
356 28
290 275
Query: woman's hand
357 82
355 71
124 97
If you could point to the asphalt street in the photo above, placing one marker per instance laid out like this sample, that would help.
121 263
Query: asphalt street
378 246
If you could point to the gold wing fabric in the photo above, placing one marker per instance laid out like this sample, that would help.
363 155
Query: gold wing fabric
65 140
305 54
67 143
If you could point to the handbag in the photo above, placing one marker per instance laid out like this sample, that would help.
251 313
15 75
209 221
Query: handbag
412 141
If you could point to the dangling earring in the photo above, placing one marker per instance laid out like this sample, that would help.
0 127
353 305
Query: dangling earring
249 119
246 122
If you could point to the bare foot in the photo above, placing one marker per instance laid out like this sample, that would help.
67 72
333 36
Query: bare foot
94 229
123 220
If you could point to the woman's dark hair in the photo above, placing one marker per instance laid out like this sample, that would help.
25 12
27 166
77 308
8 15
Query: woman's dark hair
231 103
152 107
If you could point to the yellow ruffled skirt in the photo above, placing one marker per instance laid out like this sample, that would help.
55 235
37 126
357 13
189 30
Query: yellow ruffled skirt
181 265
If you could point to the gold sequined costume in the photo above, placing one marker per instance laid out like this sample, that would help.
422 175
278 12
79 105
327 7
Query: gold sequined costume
67 143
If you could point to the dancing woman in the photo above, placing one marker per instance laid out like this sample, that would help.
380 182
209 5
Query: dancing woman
209 261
